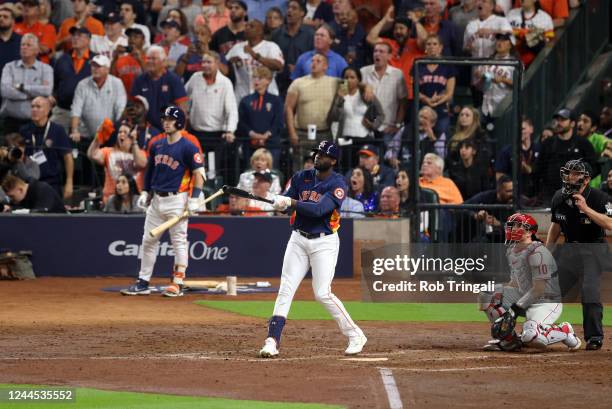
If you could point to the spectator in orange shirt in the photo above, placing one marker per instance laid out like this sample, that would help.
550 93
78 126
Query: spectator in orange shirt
31 24
128 63
81 19
557 9
124 157
431 178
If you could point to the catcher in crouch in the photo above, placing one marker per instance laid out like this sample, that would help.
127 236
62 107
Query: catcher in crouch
533 292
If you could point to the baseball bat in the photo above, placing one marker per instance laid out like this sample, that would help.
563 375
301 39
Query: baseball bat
230 190
159 230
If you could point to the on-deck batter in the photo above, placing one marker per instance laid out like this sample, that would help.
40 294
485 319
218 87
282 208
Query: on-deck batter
316 196
173 162
533 292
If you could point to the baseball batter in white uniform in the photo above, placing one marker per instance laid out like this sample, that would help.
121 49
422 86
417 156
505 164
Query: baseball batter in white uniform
173 162
533 292
316 196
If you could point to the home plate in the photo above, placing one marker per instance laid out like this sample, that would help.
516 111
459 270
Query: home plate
364 359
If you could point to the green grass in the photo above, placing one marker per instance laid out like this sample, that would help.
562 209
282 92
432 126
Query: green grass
402 312
97 399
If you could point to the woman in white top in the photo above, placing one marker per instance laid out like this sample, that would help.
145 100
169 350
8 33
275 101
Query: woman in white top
497 80
260 161
533 27
356 118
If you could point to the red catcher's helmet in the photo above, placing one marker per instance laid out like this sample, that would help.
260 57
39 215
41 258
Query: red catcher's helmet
523 222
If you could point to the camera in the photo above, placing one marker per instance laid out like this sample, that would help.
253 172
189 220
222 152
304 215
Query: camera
10 154
14 154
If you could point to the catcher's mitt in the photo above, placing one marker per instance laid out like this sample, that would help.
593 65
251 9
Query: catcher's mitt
503 327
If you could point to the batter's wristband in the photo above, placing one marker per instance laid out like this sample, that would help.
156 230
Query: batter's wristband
195 192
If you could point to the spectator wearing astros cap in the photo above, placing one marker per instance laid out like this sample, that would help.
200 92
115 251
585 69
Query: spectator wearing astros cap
128 62
114 37
81 19
69 69
381 175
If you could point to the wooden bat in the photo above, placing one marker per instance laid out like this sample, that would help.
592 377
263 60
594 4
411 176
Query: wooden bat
200 284
159 230
230 190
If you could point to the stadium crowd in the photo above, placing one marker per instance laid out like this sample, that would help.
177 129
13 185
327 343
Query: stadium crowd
83 83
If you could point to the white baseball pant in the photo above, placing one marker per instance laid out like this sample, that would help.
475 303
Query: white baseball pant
320 254
540 329
160 210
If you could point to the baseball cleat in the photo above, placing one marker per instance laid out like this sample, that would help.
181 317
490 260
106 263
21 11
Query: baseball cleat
594 344
269 349
355 345
573 341
492 345
513 345
140 288
173 290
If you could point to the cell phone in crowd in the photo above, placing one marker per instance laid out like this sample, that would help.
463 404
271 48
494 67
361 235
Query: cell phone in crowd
344 85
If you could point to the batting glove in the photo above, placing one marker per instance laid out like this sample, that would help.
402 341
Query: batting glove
195 204
281 203
143 200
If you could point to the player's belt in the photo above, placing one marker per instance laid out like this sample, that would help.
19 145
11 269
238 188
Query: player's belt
311 236
166 194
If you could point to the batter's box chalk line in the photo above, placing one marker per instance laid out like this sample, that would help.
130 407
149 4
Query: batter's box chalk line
395 402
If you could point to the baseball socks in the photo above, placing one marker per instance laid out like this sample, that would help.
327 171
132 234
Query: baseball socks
275 328
176 288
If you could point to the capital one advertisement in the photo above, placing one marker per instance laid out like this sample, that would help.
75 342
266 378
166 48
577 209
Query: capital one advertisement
107 245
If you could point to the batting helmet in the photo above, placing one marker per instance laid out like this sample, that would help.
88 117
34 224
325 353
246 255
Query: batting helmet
327 148
517 225
177 114
577 167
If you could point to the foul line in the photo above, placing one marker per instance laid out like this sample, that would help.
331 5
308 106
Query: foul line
395 402
476 368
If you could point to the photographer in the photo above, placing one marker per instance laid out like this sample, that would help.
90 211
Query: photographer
34 196
14 159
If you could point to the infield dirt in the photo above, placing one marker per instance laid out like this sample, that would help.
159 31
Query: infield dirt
66 331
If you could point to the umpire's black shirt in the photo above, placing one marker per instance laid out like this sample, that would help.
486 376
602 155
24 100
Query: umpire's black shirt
575 225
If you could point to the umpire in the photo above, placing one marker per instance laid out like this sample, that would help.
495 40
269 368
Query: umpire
583 214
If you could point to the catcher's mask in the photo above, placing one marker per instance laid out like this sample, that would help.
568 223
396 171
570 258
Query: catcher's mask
574 167
517 225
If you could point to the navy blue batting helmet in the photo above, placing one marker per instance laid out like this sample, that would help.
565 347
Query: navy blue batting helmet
176 113
327 148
